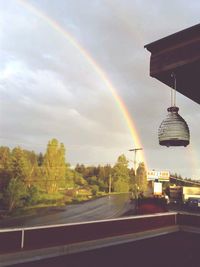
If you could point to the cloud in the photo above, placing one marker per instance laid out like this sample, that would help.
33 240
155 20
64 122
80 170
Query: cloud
48 87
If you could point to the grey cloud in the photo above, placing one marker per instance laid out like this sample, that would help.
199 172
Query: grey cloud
52 89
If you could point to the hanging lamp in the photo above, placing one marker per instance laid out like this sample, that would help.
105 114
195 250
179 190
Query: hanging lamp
173 130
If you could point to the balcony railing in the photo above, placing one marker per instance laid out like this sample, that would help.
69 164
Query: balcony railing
24 244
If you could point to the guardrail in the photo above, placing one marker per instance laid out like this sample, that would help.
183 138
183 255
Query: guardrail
28 238
190 220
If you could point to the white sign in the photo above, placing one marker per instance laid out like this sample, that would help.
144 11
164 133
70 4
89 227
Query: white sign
162 176
157 189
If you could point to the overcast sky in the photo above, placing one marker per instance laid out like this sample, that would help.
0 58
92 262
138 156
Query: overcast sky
49 89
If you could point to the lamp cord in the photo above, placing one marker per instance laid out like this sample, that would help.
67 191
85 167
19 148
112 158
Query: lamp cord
173 91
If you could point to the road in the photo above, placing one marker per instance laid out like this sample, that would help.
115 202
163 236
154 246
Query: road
183 209
102 208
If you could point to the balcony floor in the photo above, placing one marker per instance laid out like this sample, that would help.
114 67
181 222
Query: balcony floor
176 249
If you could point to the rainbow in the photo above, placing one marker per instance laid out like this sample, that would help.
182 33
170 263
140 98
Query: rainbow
122 107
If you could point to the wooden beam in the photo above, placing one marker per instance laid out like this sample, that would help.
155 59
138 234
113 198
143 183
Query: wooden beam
178 53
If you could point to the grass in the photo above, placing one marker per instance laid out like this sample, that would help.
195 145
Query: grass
46 202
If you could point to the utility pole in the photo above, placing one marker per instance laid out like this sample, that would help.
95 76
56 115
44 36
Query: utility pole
135 150
109 191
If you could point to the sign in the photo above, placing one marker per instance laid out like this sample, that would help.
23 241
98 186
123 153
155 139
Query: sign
162 176
157 189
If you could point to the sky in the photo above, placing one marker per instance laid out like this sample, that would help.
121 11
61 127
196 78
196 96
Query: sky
55 59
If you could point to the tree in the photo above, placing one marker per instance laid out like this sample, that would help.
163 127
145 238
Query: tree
141 177
69 178
78 179
4 157
133 186
121 186
54 166
92 180
121 175
95 189
80 169
108 174
5 171
40 159
102 178
21 167
33 195
14 194
34 172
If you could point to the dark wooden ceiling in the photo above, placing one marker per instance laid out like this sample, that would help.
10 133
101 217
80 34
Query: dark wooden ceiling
178 53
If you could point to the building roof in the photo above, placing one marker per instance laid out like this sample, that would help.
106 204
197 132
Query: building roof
178 53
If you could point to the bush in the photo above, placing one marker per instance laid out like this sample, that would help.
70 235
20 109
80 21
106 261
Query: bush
51 199
33 195
15 194
95 189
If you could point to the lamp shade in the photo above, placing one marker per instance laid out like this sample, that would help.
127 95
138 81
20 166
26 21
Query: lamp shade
173 130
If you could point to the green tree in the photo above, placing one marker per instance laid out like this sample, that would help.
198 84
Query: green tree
78 179
4 157
132 180
80 169
34 173
54 167
69 178
121 175
108 173
74 179
121 186
92 180
102 178
15 194
95 189
21 167
40 159
5 171
33 195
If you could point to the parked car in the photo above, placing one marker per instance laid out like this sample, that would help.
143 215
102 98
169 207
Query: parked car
193 202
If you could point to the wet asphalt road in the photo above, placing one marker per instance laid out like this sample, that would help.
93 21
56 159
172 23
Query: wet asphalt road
99 209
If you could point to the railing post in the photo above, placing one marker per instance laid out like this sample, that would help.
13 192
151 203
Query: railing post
176 219
22 239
